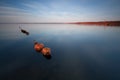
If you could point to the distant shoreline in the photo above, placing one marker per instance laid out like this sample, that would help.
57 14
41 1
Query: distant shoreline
105 23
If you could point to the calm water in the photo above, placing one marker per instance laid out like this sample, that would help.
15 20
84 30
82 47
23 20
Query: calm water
79 52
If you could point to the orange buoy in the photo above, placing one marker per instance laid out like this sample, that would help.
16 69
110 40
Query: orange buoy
46 51
38 46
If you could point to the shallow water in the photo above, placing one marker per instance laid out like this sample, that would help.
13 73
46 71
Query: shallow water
79 52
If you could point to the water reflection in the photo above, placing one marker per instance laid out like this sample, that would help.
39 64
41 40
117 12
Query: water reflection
47 56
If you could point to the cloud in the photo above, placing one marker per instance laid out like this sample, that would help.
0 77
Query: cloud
9 11
34 12
59 11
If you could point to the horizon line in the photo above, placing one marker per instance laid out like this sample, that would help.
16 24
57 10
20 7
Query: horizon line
57 22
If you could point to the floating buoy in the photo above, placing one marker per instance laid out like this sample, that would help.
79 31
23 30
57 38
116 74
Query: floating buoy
46 51
38 46
24 31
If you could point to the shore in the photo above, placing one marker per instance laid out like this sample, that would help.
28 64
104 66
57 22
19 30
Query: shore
105 23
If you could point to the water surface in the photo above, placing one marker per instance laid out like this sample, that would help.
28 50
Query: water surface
79 52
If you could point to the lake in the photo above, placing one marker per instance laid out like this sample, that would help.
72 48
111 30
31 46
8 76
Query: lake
79 52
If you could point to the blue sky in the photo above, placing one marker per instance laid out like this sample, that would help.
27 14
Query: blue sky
58 10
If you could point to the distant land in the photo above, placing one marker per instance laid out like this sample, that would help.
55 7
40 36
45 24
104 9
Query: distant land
105 23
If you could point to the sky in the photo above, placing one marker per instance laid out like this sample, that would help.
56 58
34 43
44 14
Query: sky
58 10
